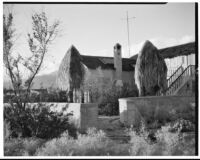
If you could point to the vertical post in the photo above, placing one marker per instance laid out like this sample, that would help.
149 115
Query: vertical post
85 96
127 21
88 93
70 96
128 34
74 96
79 96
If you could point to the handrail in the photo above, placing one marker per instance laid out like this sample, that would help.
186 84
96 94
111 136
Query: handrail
171 77
175 72
179 78
175 82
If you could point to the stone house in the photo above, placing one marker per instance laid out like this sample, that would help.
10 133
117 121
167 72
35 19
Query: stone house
106 71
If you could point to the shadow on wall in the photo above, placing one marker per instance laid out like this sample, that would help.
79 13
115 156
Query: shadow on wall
83 115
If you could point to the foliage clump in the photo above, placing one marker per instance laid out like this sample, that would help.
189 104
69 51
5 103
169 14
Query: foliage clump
109 100
162 142
94 143
36 121
150 71
71 72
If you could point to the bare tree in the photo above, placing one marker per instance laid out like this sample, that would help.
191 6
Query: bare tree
39 41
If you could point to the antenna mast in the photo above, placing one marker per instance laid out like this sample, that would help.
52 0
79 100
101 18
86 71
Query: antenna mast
127 20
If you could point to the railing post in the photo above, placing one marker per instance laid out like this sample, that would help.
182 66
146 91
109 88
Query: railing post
85 97
89 99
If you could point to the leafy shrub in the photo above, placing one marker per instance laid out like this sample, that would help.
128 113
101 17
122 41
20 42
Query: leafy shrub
139 145
7 131
13 147
182 125
94 143
53 96
50 96
167 143
20 146
36 121
30 145
108 102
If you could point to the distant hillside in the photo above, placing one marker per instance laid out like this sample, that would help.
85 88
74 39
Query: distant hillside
46 81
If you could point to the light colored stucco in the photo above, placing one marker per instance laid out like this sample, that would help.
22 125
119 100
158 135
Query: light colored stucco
107 76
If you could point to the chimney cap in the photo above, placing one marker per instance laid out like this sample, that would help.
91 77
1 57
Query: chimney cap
117 46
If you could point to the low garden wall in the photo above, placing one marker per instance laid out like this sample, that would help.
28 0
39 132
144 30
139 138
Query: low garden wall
160 109
84 115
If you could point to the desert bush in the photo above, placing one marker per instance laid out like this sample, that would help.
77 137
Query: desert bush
108 102
6 129
182 125
22 146
36 121
139 145
166 142
50 96
94 143
53 96
30 145
13 147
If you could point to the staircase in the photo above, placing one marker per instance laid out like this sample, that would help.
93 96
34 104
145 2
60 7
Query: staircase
174 76
178 79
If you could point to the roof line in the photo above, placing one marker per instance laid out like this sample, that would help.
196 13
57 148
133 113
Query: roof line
102 57
177 45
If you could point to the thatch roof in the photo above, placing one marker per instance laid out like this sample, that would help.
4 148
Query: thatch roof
94 62
174 51
71 71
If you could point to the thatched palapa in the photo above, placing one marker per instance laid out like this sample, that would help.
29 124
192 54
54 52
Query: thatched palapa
71 71
150 71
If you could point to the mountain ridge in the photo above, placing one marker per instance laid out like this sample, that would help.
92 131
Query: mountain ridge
40 81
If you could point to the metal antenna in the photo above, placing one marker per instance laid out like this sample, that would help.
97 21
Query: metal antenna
127 20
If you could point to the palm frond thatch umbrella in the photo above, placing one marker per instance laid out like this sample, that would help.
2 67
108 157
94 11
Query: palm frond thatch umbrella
150 71
71 72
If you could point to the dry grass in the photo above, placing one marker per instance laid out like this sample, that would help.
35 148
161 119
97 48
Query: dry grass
96 143
166 144
22 147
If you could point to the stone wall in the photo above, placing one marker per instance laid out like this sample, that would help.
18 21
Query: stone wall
84 116
164 108
187 88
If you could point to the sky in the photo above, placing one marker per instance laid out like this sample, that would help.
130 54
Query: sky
94 29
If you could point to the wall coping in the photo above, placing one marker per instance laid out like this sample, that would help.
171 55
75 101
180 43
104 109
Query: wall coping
63 103
154 97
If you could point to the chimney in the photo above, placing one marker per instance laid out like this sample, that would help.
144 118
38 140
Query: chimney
118 64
